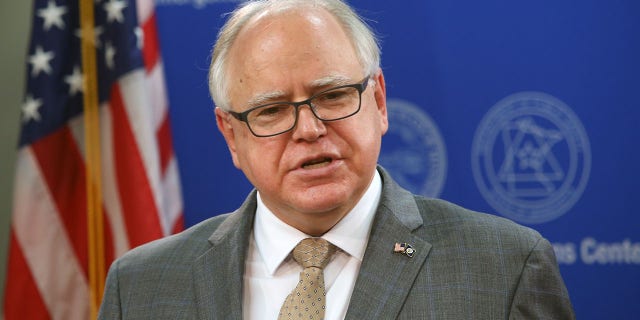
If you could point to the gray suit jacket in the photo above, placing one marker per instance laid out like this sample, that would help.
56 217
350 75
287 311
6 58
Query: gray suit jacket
467 265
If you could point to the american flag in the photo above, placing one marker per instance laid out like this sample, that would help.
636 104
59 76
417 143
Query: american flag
47 272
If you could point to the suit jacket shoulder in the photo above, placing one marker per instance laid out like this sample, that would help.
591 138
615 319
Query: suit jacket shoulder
176 249
184 276
450 223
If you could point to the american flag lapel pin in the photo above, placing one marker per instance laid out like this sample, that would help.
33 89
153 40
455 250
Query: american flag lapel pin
404 248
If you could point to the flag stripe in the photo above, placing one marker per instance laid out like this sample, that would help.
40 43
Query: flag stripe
179 223
22 287
57 272
64 175
158 102
115 216
109 248
172 202
116 245
145 9
150 47
143 130
165 146
134 188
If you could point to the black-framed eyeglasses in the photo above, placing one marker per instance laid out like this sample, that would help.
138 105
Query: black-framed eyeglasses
279 117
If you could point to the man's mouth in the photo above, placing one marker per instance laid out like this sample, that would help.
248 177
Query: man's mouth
316 163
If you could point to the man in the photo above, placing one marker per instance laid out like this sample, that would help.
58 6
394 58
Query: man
301 104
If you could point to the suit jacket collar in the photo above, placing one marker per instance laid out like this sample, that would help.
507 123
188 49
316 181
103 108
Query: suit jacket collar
382 285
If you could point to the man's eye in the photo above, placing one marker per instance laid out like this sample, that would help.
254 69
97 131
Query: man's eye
274 110
333 95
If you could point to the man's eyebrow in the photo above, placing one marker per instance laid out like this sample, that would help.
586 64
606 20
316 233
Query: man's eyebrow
263 98
332 80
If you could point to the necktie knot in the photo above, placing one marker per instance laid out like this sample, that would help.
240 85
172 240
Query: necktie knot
313 252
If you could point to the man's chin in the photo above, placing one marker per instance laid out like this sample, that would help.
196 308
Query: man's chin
324 204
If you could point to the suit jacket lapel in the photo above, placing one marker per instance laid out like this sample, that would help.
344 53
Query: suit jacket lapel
385 277
218 273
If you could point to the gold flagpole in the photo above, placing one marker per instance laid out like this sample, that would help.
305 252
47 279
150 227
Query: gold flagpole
95 228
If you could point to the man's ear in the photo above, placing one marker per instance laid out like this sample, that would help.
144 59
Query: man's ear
225 127
380 95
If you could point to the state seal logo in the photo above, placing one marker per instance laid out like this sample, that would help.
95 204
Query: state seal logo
413 149
531 157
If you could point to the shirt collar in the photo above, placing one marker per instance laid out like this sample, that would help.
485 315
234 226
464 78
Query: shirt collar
275 239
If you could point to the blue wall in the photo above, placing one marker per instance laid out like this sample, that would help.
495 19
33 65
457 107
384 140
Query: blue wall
523 109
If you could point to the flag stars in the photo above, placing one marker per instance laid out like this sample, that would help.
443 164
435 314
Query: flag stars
109 55
114 10
40 61
52 15
30 109
75 81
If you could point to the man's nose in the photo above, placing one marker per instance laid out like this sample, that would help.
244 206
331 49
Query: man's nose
308 127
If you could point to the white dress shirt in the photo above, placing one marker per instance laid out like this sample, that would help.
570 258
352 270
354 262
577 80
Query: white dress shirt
271 273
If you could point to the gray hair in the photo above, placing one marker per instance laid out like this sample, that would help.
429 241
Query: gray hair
363 38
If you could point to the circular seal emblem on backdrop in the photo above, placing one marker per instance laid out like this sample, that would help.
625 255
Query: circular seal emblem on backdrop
413 149
531 157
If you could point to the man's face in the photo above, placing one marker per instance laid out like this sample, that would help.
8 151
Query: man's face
311 176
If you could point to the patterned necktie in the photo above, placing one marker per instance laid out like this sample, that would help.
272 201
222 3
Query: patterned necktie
307 300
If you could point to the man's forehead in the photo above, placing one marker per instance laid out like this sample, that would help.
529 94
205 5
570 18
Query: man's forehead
281 28
313 14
